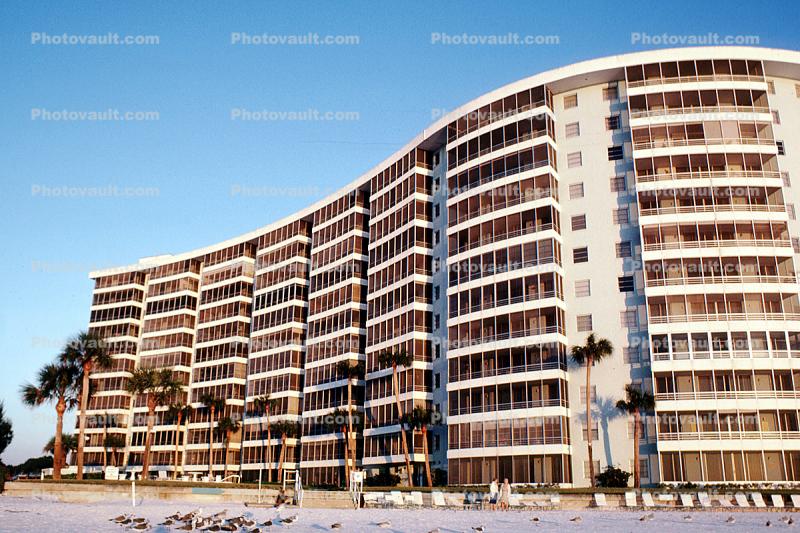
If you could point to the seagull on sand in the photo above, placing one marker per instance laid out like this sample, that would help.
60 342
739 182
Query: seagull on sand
384 524
479 529
337 525
648 516
186 527
220 514
535 519
768 524
730 520
268 523
141 526
291 520
687 518
434 530
576 519
119 519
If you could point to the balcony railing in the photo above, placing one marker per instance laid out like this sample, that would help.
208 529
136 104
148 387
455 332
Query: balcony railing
729 435
510 202
667 111
494 372
501 145
493 407
496 117
500 175
455 344
526 440
729 395
667 282
483 306
696 78
717 243
713 317
708 174
724 354
718 208
503 236
668 143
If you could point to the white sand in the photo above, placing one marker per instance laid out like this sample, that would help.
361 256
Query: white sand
32 514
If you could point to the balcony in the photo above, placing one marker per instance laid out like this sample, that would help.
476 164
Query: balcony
728 395
536 228
736 354
729 435
714 317
483 306
708 174
691 280
671 143
523 440
668 111
494 372
694 79
717 243
456 344
495 407
718 208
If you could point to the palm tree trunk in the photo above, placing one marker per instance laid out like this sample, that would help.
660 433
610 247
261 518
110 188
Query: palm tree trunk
269 450
148 441
427 458
58 446
281 458
227 447
346 436
210 443
177 428
349 448
87 367
589 431
396 387
636 474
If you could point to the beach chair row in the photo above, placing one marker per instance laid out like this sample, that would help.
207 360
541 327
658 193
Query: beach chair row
456 500
393 499
703 500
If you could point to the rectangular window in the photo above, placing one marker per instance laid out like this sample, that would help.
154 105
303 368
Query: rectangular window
630 431
624 249
776 117
610 93
612 123
583 288
620 216
630 355
576 191
584 322
625 283
578 222
781 148
574 160
572 129
644 468
615 153
586 471
787 182
797 90
595 436
629 318
437 380
580 255
583 394
796 245
618 184
790 210
770 87
570 101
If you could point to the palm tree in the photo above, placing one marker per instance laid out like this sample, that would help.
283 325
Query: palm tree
285 429
636 401
115 441
262 406
214 405
336 422
396 359
6 431
419 420
352 371
595 350
226 427
56 383
68 445
160 387
86 351
180 412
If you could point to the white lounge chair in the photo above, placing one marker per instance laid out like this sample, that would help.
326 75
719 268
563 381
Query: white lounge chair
777 501
647 499
397 498
456 501
162 475
704 500
758 500
416 499
630 499
437 499
686 499
515 501
724 500
741 499
370 499
600 499
555 500
795 500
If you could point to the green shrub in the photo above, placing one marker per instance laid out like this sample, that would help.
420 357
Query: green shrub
613 477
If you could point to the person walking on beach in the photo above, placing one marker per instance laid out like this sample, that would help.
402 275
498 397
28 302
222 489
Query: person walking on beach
494 492
505 495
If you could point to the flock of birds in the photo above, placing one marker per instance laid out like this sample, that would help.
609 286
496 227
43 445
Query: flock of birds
220 521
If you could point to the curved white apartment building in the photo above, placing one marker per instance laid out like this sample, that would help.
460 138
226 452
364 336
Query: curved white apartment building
646 197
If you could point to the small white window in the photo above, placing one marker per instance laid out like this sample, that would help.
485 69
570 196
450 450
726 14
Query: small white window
620 216
570 101
575 159
576 191
578 222
584 322
572 129
583 288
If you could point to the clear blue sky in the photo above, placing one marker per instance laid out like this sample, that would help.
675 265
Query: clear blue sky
194 153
